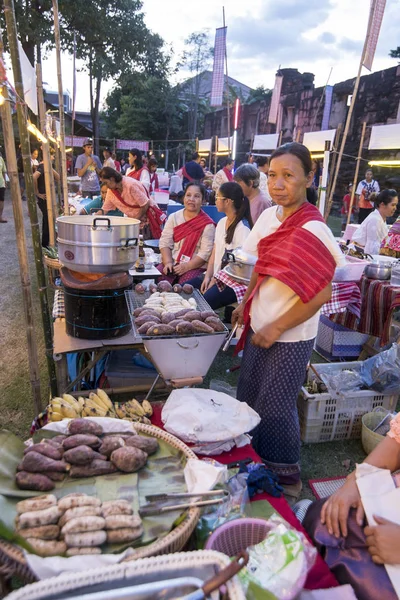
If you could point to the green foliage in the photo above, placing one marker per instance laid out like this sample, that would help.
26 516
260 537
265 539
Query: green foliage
258 95
395 53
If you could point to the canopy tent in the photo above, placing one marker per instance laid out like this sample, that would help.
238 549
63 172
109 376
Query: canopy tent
204 146
223 145
315 140
265 142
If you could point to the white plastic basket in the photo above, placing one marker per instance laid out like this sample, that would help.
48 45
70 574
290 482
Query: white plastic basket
352 271
324 418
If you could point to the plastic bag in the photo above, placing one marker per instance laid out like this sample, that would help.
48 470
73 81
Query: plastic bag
344 381
280 563
382 372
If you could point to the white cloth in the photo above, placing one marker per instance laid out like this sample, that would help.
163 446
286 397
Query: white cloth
109 163
371 233
175 185
274 298
380 497
264 185
201 476
219 178
204 246
239 237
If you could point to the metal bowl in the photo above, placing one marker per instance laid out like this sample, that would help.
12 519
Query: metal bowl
378 270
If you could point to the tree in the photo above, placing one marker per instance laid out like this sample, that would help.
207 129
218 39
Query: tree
112 39
196 58
259 94
395 53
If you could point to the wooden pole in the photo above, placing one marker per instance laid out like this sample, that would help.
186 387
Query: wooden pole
280 138
48 170
58 166
30 193
63 172
324 178
359 157
216 154
351 109
9 144
334 159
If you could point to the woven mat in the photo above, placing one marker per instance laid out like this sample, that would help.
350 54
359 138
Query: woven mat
322 488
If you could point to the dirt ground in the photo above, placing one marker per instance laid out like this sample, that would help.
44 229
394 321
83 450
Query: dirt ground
16 405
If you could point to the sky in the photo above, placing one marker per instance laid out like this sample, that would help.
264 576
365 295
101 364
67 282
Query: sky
310 35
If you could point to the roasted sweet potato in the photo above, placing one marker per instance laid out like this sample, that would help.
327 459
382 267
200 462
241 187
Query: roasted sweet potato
80 455
192 315
139 288
33 462
47 547
182 312
128 459
153 288
161 330
37 518
81 439
164 286
207 313
177 288
43 532
147 444
96 467
143 329
38 503
187 288
77 500
54 452
139 321
119 536
55 475
85 540
110 444
123 522
185 328
201 327
175 322
79 511
215 323
81 524
83 426
167 317
33 481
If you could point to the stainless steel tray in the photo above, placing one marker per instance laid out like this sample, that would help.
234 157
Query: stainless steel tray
135 301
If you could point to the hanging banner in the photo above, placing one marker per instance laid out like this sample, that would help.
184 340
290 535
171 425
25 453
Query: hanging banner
217 89
385 137
276 96
128 144
205 145
78 141
374 27
315 140
223 145
327 107
28 80
268 141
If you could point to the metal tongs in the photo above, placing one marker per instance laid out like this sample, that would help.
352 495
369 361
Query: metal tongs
156 501
229 338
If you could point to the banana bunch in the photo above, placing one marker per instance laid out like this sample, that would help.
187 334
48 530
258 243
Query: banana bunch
97 405
66 407
134 411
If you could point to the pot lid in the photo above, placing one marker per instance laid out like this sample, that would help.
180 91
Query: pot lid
243 256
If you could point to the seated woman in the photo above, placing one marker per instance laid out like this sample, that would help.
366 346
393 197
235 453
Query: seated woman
374 230
187 240
248 177
230 233
97 204
348 558
391 244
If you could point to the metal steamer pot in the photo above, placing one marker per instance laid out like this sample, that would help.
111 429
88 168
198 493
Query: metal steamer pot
95 244
240 264
378 270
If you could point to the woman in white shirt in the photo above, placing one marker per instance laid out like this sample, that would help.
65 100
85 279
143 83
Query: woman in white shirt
230 233
137 169
296 259
374 230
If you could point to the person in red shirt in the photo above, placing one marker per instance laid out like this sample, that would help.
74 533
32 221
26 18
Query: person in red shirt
116 162
346 207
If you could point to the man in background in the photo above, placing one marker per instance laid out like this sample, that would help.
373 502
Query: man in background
88 166
364 190
192 170
108 161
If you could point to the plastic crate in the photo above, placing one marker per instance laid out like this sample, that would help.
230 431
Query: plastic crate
335 341
324 418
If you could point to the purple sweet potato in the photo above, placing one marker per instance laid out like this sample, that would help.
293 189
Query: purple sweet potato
33 481
58 439
139 288
164 286
56 453
192 315
55 475
177 288
207 313
143 329
129 459
96 467
160 330
81 439
167 317
215 323
147 444
185 328
33 462
201 327
110 444
80 455
153 288
187 288
139 321
84 426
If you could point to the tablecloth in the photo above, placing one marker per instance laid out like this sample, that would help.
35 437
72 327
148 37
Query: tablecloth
345 296
224 279
379 299
320 576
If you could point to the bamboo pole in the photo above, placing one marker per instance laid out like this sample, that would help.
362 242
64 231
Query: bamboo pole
58 167
63 172
334 159
9 143
359 157
30 194
351 109
280 138
48 170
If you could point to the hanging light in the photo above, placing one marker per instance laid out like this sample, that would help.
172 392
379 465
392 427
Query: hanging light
384 163
35 131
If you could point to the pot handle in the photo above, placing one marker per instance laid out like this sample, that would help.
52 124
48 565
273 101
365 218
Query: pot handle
125 242
230 256
101 219
188 347
96 210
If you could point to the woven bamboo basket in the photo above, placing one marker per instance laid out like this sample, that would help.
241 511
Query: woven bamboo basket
12 559
369 438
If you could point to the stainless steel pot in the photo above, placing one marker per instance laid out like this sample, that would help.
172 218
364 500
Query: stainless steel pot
378 270
96 244
240 264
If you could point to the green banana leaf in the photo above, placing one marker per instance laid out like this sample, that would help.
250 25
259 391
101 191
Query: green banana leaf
163 473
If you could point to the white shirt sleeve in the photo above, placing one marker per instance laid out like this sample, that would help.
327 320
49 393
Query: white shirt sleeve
145 179
377 189
359 188
167 236
206 242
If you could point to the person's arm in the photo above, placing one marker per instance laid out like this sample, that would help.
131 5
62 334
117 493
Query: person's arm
98 165
81 171
237 315
109 203
298 314
145 179
56 175
372 239
336 509
208 277
35 177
